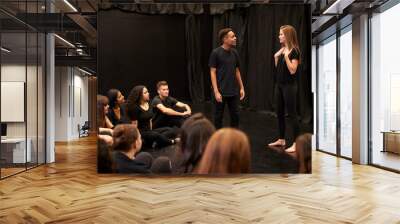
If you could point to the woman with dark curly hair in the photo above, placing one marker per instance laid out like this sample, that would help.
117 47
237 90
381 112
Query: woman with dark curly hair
140 113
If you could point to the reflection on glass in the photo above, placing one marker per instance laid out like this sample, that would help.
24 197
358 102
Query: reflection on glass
31 97
327 96
22 89
385 84
41 98
346 94
14 153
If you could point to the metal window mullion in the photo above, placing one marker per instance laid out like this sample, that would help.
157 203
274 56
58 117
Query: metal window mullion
338 95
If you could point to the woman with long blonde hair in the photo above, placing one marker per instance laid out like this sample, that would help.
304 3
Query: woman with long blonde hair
287 61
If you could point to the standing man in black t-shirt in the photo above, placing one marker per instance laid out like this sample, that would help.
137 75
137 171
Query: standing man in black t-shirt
226 81
168 112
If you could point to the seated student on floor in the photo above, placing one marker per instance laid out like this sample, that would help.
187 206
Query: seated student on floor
169 112
227 152
162 165
104 136
303 152
127 157
140 113
126 146
116 112
104 124
104 147
195 133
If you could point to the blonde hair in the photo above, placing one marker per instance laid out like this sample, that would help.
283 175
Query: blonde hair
291 38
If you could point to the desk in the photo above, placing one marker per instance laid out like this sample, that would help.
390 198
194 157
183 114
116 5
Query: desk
13 150
391 141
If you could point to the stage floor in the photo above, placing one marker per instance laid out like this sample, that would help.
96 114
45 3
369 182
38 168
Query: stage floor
262 128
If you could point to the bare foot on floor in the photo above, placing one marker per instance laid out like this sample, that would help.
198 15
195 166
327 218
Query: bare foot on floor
279 142
292 148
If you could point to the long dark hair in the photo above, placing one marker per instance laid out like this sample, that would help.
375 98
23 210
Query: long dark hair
112 97
195 133
102 101
134 98
303 148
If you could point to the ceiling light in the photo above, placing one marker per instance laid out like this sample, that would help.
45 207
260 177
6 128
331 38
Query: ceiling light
70 5
65 41
5 50
84 71
337 7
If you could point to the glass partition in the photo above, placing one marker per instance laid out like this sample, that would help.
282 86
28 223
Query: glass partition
327 95
385 89
22 79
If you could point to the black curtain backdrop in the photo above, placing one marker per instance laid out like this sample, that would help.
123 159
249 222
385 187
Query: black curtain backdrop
137 49
184 38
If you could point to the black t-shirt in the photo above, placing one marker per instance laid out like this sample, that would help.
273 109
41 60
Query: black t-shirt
124 164
113 117
282 71
142 117
225 62
168 102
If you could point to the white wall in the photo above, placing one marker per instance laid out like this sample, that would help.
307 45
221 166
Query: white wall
71 102
16 73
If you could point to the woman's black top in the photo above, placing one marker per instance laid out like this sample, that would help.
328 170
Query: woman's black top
143 117
123 164
282 71
113 117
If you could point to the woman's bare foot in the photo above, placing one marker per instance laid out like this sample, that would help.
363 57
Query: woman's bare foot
291 148
279 142
176 140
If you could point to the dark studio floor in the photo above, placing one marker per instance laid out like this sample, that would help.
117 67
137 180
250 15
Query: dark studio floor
261 127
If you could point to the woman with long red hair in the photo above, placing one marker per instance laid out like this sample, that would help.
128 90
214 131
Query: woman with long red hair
227 152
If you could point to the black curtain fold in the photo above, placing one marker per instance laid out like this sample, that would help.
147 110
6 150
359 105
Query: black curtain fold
261 39
160 8
195 71
172 8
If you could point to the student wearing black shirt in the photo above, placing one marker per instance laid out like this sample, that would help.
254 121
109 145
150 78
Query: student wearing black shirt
116 111
169 112
126 145
226 81
141 114
287 60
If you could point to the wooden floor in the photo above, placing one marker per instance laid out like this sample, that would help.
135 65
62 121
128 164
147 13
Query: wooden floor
70 191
